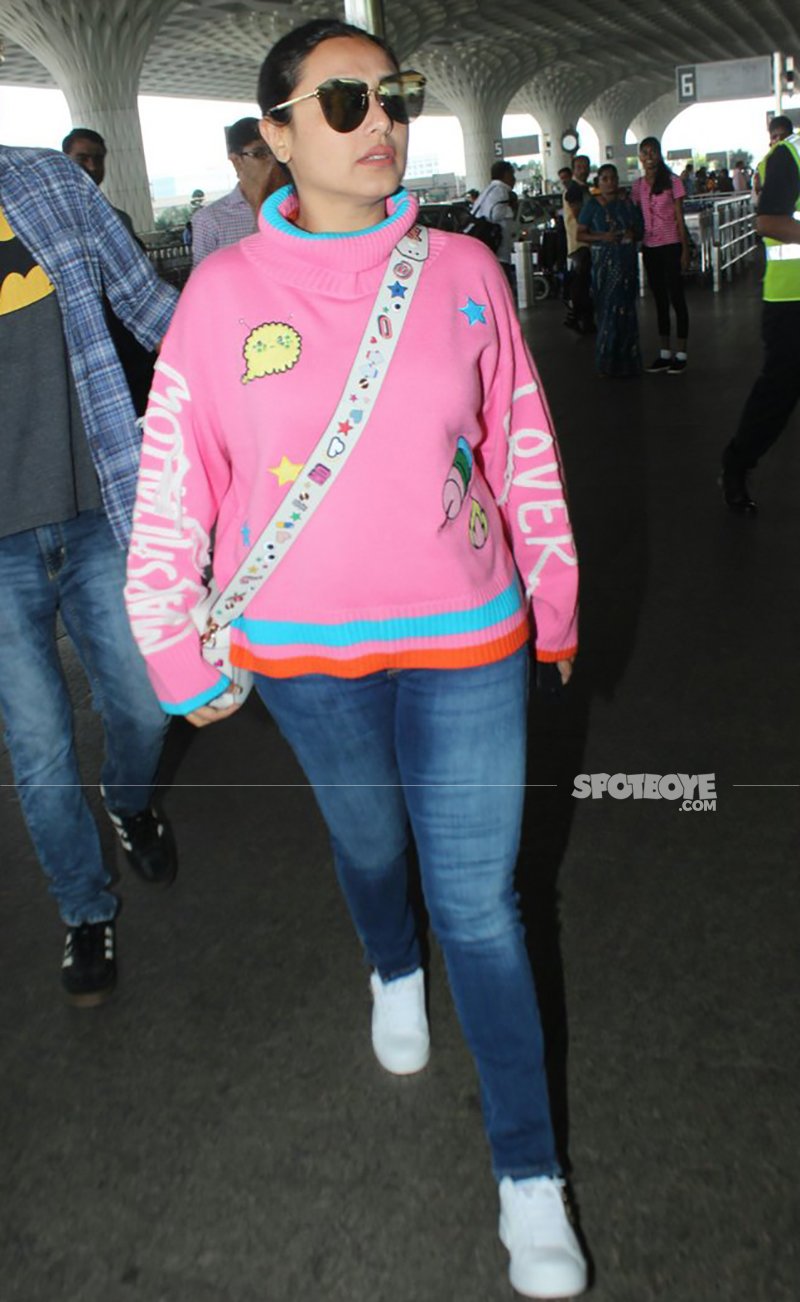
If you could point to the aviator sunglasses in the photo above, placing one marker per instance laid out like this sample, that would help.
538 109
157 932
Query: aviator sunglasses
345 101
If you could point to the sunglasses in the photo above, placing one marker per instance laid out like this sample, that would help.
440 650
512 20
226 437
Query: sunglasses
345 101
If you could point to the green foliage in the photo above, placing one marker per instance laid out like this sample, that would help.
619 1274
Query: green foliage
173 218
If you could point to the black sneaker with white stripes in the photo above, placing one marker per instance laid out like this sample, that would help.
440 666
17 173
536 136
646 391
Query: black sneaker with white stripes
149 845
659 365
89 967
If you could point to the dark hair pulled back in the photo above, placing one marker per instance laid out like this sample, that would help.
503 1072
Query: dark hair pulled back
663 178
283 66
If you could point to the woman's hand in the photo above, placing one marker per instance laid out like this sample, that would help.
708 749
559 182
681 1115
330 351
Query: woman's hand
206 714
565 670
686 257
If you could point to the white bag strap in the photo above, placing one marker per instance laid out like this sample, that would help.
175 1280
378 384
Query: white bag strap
345 428
475 210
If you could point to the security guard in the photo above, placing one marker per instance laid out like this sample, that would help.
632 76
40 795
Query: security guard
780 128
777 389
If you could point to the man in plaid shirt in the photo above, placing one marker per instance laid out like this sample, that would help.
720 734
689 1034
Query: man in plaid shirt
69 460
235 215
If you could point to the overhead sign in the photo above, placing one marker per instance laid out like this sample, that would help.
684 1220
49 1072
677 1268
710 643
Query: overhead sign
792 114
673 154
519 146
498 149
621 150
699 83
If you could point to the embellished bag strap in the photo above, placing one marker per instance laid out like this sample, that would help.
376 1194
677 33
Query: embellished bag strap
326 462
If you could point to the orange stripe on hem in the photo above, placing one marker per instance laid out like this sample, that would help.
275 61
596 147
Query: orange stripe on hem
418 658
550 657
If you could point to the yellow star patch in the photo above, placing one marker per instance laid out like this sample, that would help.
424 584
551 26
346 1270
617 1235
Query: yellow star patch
287 471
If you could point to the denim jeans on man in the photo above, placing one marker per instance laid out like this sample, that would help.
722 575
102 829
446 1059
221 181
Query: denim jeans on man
77 569
443 751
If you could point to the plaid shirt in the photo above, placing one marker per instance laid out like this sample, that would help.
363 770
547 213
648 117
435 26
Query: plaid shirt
223 222
73 232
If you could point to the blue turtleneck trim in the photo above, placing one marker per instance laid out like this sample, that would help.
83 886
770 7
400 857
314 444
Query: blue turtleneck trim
270 211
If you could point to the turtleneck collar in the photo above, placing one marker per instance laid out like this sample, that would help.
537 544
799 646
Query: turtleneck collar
329 259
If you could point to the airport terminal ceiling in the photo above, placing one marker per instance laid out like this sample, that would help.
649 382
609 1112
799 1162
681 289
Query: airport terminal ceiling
519 48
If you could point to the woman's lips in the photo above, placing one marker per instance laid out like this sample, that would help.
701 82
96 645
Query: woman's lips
378 157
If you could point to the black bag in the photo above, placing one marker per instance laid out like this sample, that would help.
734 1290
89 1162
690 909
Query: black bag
489 233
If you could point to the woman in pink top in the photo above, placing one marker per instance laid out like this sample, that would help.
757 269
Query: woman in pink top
660 194
391 646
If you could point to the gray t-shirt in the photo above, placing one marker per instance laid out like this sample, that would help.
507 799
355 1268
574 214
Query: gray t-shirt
46 470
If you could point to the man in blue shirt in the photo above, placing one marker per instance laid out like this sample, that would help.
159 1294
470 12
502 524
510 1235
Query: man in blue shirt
68 467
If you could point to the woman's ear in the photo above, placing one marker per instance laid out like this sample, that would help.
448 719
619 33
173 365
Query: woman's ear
277 137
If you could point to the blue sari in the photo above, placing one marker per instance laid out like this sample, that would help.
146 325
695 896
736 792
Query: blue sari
615 286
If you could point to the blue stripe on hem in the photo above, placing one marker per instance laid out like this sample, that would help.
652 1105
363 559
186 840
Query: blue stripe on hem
267 632
194 702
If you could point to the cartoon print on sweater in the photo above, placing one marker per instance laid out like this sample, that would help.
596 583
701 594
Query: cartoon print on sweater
458 480
478 525
270 349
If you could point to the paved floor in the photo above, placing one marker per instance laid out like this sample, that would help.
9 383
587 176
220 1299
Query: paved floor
220 1133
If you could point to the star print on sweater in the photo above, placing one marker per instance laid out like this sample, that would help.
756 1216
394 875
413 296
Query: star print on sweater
474 312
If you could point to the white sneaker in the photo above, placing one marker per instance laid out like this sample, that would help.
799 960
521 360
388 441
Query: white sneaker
399 1023
546 1258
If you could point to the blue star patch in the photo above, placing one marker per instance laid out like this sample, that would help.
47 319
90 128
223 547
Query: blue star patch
474 312
397 290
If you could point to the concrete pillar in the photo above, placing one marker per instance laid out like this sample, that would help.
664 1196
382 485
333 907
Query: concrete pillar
367 14
94 49
556 113
654 119
469 87
610 114
611 130
557 96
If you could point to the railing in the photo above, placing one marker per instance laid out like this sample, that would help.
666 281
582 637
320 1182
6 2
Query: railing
722 231
734 234
171 258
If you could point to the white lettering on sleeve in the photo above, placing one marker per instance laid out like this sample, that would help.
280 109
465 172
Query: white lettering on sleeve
161 531
550 547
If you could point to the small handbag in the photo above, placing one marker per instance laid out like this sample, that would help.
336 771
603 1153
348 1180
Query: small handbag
214 614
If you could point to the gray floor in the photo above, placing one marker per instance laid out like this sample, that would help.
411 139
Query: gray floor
220 1133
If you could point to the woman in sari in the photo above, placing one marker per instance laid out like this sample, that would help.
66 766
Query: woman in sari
611 225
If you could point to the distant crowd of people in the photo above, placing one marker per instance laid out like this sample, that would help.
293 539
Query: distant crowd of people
709 181
603 226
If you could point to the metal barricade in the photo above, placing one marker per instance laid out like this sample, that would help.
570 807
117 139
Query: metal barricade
722 232
734 234
169 255
700 225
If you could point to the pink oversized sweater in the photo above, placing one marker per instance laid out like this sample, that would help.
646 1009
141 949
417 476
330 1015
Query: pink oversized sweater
449 518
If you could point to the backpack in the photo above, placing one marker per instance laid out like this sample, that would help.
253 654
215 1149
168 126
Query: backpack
488 232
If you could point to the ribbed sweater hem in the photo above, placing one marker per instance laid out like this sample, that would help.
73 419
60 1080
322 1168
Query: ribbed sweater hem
390 656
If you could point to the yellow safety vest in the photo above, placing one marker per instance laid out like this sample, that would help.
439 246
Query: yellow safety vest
782 274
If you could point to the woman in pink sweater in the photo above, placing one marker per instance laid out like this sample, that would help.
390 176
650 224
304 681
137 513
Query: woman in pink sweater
391 644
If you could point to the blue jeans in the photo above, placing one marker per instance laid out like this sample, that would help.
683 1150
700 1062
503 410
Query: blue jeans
75 568
440 753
